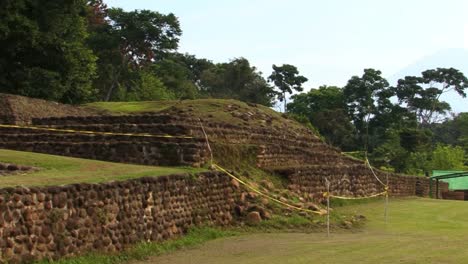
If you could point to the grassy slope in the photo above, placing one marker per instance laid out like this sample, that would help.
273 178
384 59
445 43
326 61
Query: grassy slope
58 170
208 109
418 231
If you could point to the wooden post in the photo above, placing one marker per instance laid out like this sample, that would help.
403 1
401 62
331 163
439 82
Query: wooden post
386 206
437 188
327 183
387 189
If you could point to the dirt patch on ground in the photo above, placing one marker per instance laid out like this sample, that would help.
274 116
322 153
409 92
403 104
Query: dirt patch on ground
21 110
257 248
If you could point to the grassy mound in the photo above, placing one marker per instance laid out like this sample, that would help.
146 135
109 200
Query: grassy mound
209 110
15 109
58 170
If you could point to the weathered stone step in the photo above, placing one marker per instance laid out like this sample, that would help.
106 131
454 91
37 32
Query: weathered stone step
150 153
156 129
72 137
121 119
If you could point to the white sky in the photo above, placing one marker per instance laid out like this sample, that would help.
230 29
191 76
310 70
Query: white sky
465 44
329 41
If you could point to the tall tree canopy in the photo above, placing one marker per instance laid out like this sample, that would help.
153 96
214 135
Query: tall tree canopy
128 42
287 79
181 74
238 80
367 99
422 94
325 108
43 51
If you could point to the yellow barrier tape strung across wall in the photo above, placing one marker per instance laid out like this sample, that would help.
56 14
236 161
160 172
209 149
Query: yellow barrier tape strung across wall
94 132
357 198
373 173
326 194
264 194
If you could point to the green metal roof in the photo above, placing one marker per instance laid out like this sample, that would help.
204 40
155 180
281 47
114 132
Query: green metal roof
457 180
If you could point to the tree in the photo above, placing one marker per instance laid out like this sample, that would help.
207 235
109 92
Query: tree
452 132
128 42
238 80
193 65
406 150
447 158
176 77
287 79
325 109
43 52
368 100
390 154
147 87
422 94
316 100
97 13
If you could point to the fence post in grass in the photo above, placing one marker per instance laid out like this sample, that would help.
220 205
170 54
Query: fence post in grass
327 183
386 199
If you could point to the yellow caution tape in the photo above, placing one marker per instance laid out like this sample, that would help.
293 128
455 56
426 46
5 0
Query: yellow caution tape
358 198
94 132
264 194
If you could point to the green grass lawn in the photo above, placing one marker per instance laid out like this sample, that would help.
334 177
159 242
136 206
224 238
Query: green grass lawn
131 107
417 231
58 170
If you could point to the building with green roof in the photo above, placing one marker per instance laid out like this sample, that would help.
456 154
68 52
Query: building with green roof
457 180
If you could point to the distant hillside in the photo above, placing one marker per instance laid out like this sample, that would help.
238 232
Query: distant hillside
455 58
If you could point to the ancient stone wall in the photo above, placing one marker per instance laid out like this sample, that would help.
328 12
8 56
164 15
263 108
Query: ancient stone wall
109 119
52 222
454 195
272 156
118 148
170 124
355 181
6 113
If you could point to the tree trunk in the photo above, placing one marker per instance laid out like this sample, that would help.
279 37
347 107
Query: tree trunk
284 108
109 92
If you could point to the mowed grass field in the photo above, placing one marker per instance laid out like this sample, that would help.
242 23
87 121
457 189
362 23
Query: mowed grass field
59 170
418 231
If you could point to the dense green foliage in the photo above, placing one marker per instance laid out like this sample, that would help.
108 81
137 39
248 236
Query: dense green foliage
127 44
326 109
398 128
43 52
83 51
237 80
421 94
